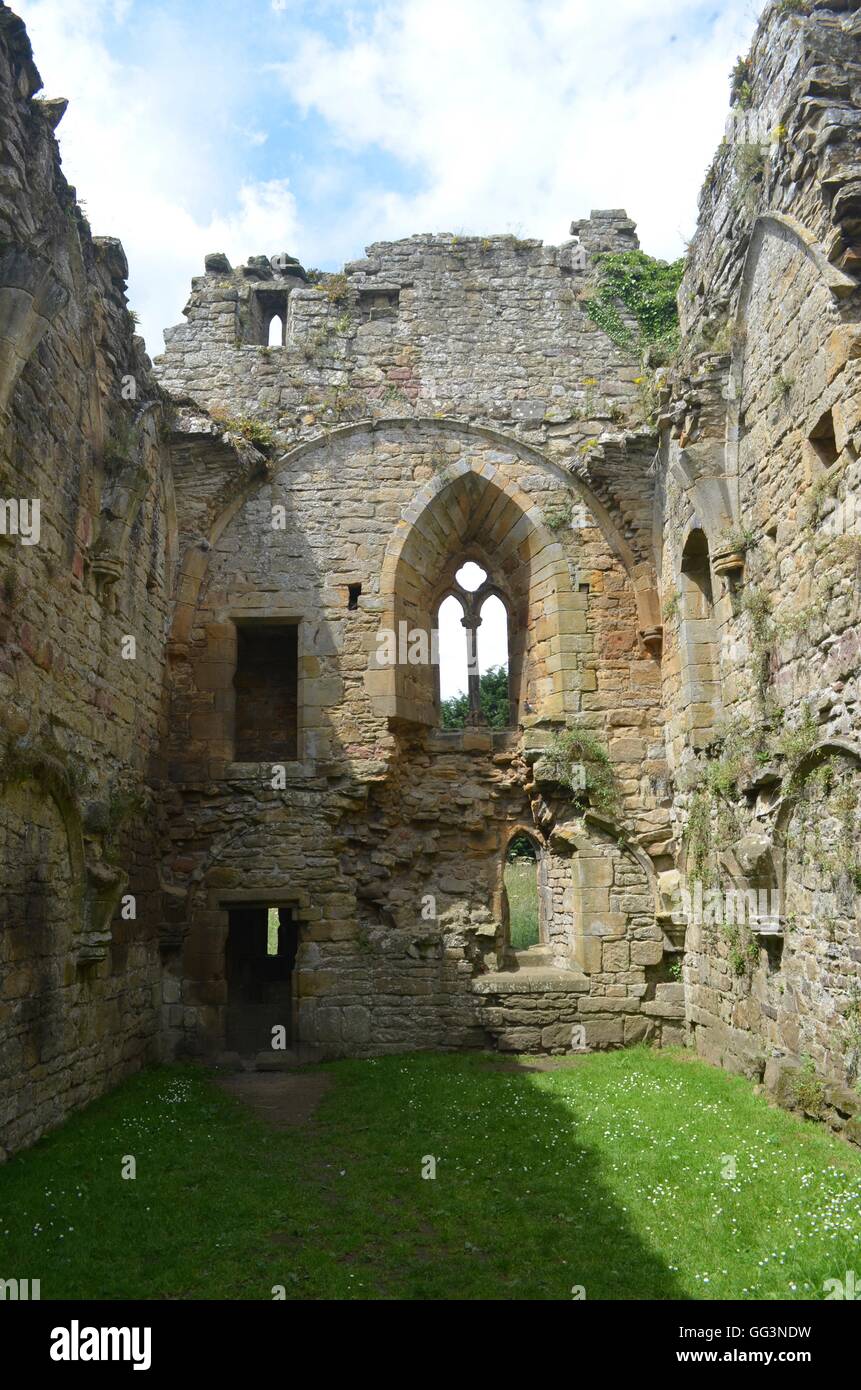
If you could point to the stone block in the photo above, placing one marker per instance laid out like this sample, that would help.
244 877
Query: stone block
638 1030
664 1008
646 952
604 1032
556 1035
605 1004
519 1040
616 956
356 1023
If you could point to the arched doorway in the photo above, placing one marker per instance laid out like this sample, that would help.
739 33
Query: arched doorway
520 879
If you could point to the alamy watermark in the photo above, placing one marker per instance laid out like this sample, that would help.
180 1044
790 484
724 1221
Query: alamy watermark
21 517
407 647
732 907
23 1290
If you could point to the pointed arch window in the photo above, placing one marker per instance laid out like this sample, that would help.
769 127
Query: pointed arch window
474 671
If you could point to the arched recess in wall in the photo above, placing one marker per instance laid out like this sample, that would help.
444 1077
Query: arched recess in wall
834 290
90 891
475 514
30 298
136 508
535 898
253 471
491 521
40 893
699 641
817 854
582 914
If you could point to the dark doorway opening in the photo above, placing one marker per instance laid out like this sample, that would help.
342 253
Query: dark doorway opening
259 960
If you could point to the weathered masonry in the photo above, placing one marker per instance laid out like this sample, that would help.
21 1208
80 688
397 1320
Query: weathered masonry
227 805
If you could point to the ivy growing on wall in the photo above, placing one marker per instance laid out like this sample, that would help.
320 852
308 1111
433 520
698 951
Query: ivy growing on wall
647 288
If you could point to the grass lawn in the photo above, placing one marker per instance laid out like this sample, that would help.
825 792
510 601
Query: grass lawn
521 885
607 1174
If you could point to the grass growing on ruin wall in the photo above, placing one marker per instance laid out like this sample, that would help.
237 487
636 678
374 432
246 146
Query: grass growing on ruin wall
608 1173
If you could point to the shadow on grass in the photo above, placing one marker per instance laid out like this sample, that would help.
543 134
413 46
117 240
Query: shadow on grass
518 1208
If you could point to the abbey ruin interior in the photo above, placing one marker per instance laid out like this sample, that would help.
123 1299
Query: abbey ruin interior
203 559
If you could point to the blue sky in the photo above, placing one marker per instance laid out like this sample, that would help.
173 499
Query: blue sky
255 126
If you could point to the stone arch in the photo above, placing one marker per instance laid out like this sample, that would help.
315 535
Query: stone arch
96 885
698 638
790 230
831 747
25 764
500 896
30 298
124 489
257 470
839 287
472 511
587 852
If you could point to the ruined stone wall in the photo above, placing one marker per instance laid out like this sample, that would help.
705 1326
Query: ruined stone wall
78 722
760 449
380 810
443 399
682 589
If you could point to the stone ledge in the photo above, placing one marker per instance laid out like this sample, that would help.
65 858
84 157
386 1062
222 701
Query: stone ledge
543 981
663 1008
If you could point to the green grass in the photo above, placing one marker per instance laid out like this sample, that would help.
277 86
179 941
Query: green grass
607 1174
522 888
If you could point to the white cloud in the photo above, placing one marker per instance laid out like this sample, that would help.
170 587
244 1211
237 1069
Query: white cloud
494 115
519 116
148 160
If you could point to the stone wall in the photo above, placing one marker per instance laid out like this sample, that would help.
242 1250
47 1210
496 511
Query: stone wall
380 810
79 721
760 449
443 399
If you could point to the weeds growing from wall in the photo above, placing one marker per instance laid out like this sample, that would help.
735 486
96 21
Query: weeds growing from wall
558 517
741 91
572 749
808 1092
263 436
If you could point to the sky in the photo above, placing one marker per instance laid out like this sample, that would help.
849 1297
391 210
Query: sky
258 126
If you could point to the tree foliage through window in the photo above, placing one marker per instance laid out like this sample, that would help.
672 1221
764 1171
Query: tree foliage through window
493 691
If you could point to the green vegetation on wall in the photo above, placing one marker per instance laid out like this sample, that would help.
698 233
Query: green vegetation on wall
577 755
647 288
